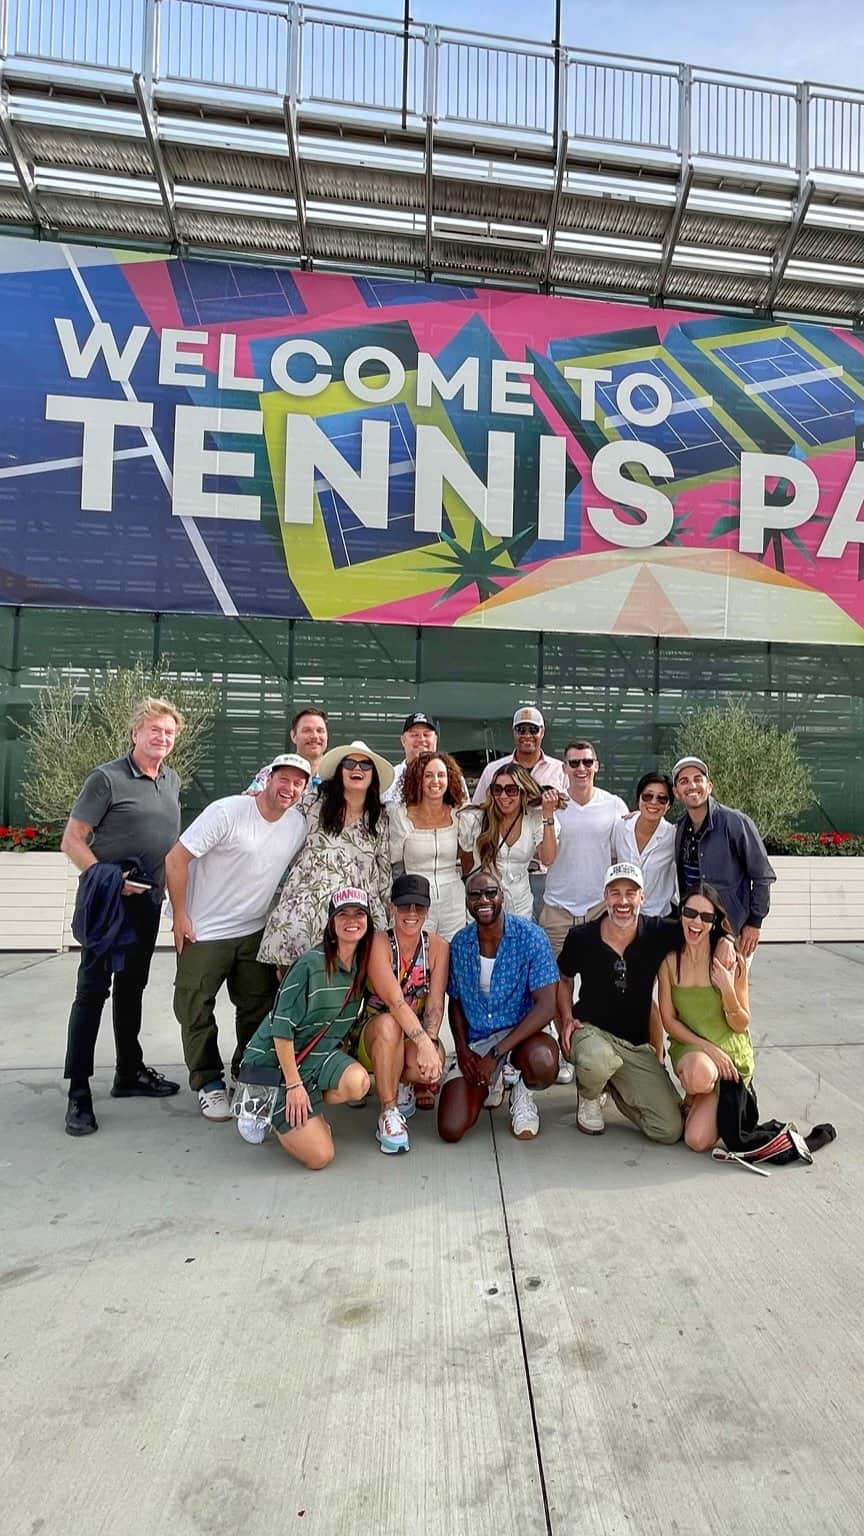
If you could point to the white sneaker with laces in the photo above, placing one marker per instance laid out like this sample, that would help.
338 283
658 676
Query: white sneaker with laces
566 1072
392 1132
524 1114
589 1116
406 1100
214 1103
495 1097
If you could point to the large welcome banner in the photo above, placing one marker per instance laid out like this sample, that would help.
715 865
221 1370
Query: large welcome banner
199 437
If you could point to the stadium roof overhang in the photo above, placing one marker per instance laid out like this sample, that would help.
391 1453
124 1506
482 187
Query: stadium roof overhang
335 142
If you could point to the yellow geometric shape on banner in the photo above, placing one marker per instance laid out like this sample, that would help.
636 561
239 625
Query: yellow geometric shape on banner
330 591
713 594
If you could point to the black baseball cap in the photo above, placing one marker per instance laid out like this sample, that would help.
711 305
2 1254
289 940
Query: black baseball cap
419 718
411 890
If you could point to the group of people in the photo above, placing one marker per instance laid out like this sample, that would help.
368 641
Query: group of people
349 907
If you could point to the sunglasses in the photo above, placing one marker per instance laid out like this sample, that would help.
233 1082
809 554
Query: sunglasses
581 762
649 795
619 967
506 789
485 893
696 916
365 764
532 730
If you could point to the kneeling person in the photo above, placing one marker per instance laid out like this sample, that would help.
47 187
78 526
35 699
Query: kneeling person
303 1036
222 877
406 982
502 996
617 957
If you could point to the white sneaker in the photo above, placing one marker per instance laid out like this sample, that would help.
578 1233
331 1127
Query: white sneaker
566 1072
214 1103
392 1132
495 1097
524 1114
589 1115
406 1100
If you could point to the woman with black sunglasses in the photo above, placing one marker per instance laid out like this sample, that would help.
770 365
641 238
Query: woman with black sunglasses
348 844
705 1008
513 827
646 838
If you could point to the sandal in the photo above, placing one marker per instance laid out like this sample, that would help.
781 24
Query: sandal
426 1095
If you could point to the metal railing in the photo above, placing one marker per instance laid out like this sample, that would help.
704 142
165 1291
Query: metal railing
332 62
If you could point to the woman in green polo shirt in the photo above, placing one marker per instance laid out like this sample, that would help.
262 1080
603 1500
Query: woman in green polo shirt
316 1008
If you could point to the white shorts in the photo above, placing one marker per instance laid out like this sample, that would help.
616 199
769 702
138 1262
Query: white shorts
480 1048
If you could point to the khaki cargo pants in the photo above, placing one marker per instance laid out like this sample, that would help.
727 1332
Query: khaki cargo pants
639 1084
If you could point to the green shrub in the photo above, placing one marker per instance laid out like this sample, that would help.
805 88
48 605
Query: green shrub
753 766
78 723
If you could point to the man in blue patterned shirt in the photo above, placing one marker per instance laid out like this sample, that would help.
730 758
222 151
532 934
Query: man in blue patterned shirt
502 985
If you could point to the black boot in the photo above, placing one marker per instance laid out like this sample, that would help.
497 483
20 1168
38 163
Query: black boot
80 1119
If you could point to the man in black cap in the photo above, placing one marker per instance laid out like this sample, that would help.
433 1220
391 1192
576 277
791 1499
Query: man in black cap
419 734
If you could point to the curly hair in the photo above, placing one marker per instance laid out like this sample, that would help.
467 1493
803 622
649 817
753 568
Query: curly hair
412 783
492 825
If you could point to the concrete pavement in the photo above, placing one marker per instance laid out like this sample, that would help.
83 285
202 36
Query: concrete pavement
592 1336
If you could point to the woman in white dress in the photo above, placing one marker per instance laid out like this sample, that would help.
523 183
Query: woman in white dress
423 836
514 825
646 838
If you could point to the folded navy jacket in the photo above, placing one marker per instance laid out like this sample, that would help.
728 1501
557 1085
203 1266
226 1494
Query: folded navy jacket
101 922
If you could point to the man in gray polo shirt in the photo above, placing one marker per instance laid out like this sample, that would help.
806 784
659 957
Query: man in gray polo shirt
128 812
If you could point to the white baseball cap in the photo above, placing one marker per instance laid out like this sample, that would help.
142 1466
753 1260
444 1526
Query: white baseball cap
291 760
528 715
688 762
624 872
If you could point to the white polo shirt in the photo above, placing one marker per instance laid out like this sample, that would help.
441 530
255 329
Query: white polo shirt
575 881
238 860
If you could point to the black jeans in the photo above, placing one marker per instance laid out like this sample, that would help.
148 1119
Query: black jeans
94 984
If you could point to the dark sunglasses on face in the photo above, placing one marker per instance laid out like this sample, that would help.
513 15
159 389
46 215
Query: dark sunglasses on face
506 789
484 893
580 762
532 730
648 794
365 764
619 967
696 916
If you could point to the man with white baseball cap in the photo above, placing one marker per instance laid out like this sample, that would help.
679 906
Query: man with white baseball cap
222 876
722 846
617 957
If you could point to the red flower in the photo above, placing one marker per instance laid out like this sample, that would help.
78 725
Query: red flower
5 831
29 832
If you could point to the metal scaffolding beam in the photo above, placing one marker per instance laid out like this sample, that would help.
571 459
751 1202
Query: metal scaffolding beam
787 245
428 181
19 165
670 239
554 205
163 175
289 112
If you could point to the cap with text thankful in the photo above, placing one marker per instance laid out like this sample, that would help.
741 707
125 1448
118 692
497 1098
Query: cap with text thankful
688 762
349 896
419 718
528 715
624 872
290 760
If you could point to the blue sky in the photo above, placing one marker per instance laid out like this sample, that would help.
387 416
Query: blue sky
794 39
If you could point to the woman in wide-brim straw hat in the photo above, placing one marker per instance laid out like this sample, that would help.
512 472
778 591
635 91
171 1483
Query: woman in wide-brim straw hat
347 844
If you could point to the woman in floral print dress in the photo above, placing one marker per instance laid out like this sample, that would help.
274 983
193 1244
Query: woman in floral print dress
348 843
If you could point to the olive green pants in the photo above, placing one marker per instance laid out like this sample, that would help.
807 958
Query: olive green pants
202 969
639 1084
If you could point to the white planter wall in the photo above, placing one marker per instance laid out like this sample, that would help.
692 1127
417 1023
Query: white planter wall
812 901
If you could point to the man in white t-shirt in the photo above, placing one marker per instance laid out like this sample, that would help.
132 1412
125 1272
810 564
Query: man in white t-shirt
222 876
575 883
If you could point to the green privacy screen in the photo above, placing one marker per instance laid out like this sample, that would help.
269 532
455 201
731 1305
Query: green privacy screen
626 694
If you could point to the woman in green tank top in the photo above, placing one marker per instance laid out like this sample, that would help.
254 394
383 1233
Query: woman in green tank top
704 1005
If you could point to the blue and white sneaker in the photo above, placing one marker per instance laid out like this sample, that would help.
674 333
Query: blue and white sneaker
392 1132
406 1100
